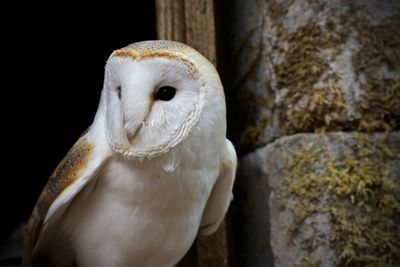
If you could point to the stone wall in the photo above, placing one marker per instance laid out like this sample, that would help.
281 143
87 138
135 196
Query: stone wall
318 89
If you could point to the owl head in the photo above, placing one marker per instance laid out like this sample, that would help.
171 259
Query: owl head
158 93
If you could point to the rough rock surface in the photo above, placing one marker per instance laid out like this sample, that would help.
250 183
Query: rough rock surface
314 66
322 200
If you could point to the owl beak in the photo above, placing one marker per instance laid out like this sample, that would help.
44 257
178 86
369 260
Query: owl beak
131 134
134 125
131 128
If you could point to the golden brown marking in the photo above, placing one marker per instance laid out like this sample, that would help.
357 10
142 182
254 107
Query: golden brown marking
130 53
125 53
67 172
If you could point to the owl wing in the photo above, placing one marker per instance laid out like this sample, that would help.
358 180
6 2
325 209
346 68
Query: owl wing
74 172
221 194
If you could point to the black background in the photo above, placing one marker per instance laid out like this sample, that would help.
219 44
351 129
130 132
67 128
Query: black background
53 60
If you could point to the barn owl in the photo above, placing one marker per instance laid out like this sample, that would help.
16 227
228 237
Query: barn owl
153 170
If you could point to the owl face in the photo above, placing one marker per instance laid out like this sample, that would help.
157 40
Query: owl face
154 98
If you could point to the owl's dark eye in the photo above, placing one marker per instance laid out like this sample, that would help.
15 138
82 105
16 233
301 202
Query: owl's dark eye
119 91
165 93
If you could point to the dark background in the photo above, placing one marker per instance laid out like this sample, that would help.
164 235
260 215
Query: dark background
53 62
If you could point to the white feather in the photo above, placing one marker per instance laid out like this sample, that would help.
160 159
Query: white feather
145 206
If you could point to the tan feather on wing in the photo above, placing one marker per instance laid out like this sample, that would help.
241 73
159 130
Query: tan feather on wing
63 176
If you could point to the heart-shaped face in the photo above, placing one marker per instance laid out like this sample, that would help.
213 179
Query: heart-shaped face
155 94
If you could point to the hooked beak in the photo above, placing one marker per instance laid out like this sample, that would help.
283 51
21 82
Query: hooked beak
132 128
132 132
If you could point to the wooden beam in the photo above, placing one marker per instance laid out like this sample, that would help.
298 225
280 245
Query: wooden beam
200 27
192 22
212 250
171 20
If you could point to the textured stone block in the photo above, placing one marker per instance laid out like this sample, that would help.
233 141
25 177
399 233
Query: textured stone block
322 200
314 66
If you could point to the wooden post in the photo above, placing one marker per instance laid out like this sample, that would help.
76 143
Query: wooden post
192 22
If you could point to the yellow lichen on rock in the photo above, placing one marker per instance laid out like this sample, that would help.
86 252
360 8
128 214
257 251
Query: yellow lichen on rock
363 200
338 70
377 65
